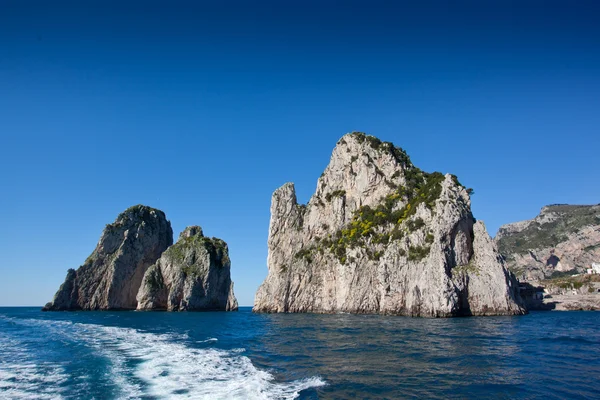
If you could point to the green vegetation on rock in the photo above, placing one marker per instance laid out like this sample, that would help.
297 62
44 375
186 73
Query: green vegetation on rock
563 274
188 247
398 153
304 254
415 224
386 222
417 253
154 279
571 282
139 209
336 193
392 219
470 268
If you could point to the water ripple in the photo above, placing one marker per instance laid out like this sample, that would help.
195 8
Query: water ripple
244 355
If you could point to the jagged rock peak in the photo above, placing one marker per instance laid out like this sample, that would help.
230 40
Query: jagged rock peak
361 140
192 275
191 231
379 235
111 276
141 211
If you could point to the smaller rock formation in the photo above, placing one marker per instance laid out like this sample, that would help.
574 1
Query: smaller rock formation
111 276
191 275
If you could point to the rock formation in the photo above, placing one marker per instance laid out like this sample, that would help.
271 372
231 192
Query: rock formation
562 239
193 274
381 236
111 276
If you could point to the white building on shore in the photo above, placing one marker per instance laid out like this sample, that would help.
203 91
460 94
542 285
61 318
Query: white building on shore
595 269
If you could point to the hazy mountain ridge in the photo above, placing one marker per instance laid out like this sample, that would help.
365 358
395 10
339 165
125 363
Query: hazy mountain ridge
561 239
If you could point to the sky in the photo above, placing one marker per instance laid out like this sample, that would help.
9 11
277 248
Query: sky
203 109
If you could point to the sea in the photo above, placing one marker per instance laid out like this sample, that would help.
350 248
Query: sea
242 355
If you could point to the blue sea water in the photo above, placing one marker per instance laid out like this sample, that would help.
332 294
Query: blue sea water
218 355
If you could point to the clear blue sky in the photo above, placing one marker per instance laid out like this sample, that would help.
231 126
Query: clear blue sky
204 109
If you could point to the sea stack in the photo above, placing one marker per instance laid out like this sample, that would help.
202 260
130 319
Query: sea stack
111 276
192 275
381 236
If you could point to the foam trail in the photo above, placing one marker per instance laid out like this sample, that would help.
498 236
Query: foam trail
164 366
119 372
22 377
171 369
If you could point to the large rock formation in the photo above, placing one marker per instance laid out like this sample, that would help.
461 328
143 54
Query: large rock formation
111 276
193 274
381 236
562 239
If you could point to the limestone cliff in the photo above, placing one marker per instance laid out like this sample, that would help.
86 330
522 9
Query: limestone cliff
381 236
111 276
193 274
562 239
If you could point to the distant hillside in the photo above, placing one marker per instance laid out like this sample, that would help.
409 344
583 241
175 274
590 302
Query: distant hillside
562 239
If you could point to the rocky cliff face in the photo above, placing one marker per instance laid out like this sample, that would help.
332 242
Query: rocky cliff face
193 274
562 239
111 276
381 236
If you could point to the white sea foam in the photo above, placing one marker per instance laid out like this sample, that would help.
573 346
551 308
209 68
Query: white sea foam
165 366
208 340
172 369
119 372
22 377
31 381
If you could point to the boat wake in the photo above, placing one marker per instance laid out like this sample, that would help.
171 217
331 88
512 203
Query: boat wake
147 365
24 377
